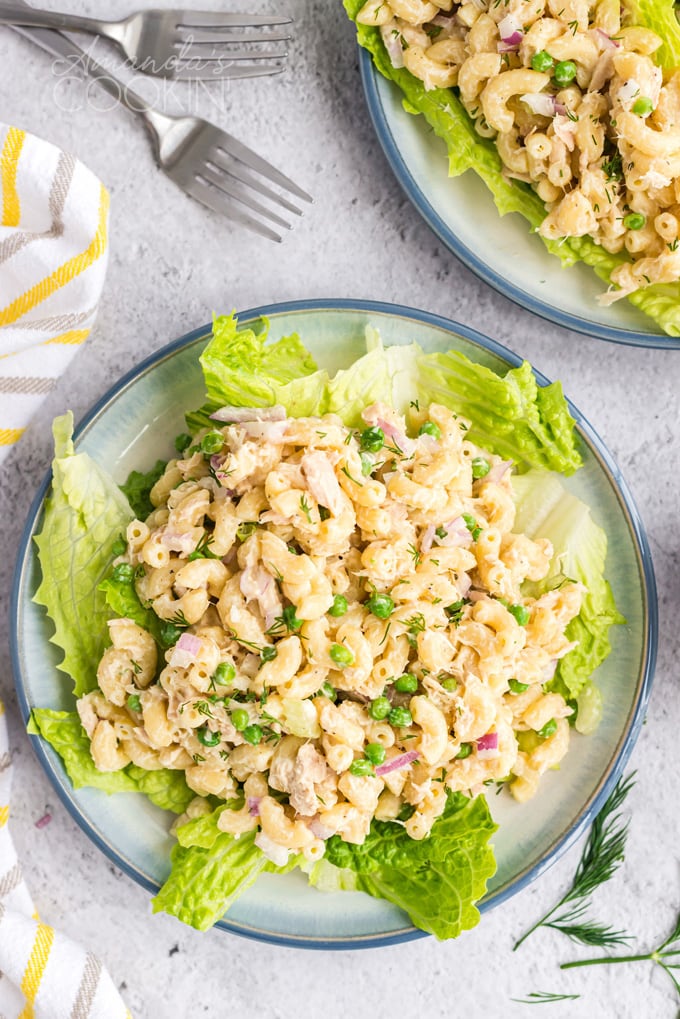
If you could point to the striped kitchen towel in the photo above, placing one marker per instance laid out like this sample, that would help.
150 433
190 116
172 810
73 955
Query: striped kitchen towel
43 974
53 254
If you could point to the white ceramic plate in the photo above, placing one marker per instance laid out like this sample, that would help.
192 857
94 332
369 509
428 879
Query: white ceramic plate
500 250
132 426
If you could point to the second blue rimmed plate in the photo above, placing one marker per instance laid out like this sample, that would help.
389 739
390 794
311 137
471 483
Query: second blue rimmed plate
500 250
132 426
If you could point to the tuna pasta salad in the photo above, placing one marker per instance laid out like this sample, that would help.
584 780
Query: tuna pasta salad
331 621
568 109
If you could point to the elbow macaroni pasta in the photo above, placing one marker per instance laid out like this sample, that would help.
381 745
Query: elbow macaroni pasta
576 106
354 648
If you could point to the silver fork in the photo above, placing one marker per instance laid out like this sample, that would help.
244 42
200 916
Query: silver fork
208 163
176 44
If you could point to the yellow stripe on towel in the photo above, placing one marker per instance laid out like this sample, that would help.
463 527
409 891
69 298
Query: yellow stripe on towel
4 815
30 985
73 336
64 274
9 159
8 436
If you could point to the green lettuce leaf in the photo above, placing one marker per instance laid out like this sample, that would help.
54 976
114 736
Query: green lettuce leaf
545 509
449 120
139 485
436 881
123 600
241 369
511 415
84 515
64 732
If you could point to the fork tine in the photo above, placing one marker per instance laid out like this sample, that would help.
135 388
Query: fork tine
199 53
219 202
193 35
236 169
236 190
219 19
233 147
215 72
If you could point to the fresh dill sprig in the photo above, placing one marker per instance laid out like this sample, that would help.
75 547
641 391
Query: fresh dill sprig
667 950
544 997
602 855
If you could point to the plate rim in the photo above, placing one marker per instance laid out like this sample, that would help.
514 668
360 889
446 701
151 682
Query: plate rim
370 78
621 752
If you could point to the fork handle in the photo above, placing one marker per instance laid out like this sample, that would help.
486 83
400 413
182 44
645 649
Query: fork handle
30 17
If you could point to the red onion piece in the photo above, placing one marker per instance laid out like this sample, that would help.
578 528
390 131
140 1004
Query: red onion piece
253 803
457 534
270 431
498 471
549 670
509 27
397 762
540 103
319 830
236 415
464 584
606 40
43 821
184 652
393 45
401 441
427 539
488 742
188 642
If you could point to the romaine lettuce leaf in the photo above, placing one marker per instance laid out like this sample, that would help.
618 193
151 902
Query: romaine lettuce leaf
64 732
449 120
436 881
84 515
123 600
511 415
241 369
210 869
139 485
545 509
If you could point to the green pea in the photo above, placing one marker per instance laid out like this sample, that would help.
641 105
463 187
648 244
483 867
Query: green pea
134 703
407 683
123 571
400 717
430 428
182 442
643 106
252 734
520 612
268 654
119 546
223 674
480 467
207 737
465 751
372 439
375 752
380 605
341 655
565 72
361 767
328 690
339 606
548 729
542 61
450 684
472 526
367 464
212 442
441 532
379 708
406 810
634 221
240 719
169 634
517 687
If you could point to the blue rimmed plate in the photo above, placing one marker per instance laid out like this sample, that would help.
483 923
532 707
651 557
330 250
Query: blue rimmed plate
132 426
500 250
